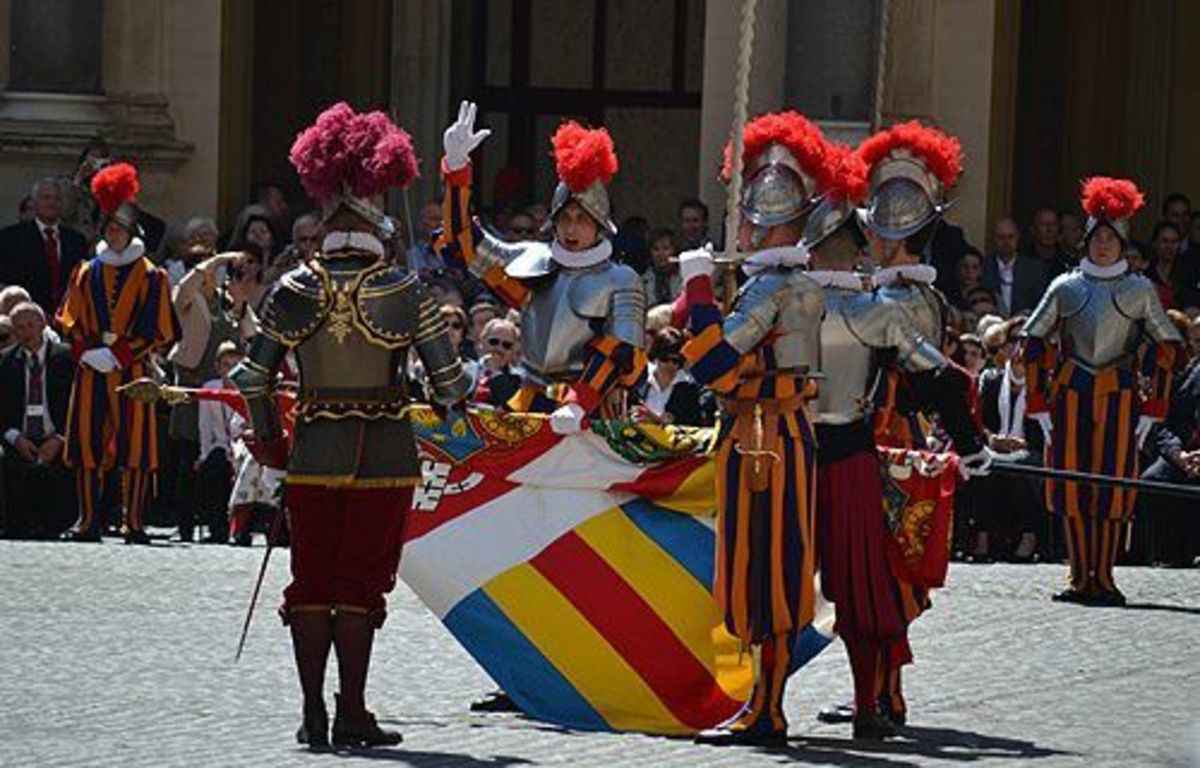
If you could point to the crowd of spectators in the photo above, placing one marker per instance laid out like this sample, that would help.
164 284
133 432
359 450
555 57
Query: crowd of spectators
210 483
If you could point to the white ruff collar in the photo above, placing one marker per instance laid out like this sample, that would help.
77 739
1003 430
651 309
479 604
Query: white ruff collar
838 278
132 253
783 256
913 273
1092 269
352 241
588 257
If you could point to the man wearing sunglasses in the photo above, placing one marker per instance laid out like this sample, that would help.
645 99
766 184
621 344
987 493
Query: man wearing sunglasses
582 316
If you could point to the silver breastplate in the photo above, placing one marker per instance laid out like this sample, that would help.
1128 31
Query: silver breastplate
1100 319
554 333
846 360
924 305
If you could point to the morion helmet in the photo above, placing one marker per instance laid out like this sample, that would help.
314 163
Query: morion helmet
785 166
115 189
847 189
912 167
585 161
1112 202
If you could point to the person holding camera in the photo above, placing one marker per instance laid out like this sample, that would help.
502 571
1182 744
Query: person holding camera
210 313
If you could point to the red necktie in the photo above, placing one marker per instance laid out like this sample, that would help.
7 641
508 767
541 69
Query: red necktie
55 266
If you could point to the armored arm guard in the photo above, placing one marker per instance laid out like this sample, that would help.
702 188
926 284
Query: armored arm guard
484 255
255 379
447 382
887 324
718 343
1160 362
1036 352
614 297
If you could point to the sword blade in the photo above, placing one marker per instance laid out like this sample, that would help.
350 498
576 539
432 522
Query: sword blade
262 571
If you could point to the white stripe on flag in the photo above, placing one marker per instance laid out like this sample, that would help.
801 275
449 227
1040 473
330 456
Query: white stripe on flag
460 556
579 461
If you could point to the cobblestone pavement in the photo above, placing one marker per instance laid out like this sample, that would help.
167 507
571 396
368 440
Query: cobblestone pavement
120 656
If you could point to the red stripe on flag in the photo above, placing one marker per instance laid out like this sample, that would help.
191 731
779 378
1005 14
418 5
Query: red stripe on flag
632 627
662 479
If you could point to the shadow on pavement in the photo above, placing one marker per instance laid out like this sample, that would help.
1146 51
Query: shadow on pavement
1163 608
421 759
942 743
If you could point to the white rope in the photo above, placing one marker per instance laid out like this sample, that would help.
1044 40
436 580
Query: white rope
885 13
741 106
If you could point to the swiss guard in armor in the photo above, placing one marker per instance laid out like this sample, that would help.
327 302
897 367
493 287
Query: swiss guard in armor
1097 331
911 167
758 357
859 325
351 318
582 315
117 313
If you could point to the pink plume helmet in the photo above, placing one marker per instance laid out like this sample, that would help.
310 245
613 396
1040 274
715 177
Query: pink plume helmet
347 157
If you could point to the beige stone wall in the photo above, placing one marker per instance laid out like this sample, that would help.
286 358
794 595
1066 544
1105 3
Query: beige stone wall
192 81
939 69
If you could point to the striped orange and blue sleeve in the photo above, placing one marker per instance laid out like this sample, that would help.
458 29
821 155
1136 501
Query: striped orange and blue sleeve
1040 359
156 326
1159 364
712 361
460 234
610 362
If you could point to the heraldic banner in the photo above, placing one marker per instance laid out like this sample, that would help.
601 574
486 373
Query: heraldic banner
577 570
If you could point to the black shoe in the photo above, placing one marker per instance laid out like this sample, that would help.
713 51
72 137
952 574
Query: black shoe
1109 599
1072 595
83 536
497 701
873 726
742 737
898 717
314 730
241 540
136 537
186 537
365 733
837 713
215 538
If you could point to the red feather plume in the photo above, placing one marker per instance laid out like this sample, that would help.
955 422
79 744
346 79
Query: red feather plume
850 177
1113 199
942 153
583 155
367 154
794 131
114 185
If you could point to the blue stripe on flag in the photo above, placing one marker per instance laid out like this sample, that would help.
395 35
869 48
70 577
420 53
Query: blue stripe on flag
537 687
808 646
685 539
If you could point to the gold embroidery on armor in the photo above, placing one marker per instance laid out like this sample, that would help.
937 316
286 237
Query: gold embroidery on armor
341 317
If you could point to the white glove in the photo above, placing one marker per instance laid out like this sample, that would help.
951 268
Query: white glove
1047 425
568 419
461 137
696 263
100 359
1144 425
977 464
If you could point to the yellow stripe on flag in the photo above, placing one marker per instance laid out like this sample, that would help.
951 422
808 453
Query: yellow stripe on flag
580 653
694 496
673 593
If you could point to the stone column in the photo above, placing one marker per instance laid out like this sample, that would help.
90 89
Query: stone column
420 89
767 75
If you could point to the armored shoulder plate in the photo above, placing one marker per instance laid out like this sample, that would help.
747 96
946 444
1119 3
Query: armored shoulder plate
755 309
925 304
1131 294
1071 293
530 260
804 295
591 292
296 306
388 319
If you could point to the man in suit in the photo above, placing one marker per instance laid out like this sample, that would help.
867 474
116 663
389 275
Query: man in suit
35 389
1016 280
39 255
1044 246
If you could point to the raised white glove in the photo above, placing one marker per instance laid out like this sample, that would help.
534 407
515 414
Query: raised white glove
461 137
1144 425
568 419
1043 419
100 359
696 263
977 464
